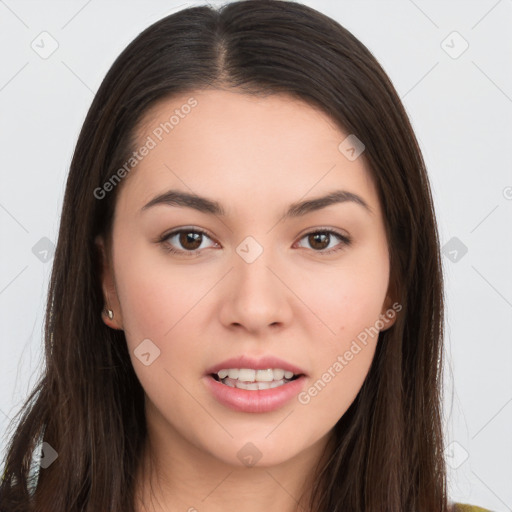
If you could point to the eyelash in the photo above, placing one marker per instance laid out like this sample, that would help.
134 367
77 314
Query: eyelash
345 241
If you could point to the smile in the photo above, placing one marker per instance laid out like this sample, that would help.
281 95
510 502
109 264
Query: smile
255 396
252 380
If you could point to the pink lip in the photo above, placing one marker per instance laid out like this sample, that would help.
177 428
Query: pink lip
263 363
261 400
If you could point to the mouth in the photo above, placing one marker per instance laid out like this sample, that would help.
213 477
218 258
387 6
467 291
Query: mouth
253 380
250 390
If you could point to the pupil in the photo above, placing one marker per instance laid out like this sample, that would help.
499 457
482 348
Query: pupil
316 236
186 237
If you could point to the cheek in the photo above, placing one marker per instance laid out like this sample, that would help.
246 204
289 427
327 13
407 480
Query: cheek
350 305
349 298
162 302
343 359
158 303
333 389
155 295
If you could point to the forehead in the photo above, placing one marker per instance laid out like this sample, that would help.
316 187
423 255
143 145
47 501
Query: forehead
243 117
245 148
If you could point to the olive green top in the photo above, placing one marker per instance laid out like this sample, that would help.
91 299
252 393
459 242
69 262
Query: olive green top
463 507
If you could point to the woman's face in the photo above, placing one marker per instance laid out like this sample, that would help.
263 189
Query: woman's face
257 283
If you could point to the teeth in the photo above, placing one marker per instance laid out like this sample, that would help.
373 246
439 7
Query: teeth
246 375
278 373
223 374
253 386
250 375
233 373
265 375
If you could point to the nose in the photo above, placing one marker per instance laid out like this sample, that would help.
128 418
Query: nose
255 295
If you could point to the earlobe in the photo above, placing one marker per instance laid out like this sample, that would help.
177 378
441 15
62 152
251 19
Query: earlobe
111 312
108 318
388 318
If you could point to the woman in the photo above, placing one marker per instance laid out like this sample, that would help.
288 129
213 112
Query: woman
290 356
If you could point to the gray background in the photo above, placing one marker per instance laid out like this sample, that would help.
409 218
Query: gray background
460 105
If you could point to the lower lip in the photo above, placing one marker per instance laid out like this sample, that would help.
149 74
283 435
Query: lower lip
260 400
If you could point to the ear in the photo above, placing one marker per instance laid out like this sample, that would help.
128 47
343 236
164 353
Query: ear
109 288
390 308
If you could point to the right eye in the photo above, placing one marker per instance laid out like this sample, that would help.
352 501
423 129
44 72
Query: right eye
190 239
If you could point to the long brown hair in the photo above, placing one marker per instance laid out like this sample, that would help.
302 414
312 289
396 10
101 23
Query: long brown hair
387 449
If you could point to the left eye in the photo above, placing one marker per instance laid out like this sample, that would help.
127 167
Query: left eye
319 238
191 241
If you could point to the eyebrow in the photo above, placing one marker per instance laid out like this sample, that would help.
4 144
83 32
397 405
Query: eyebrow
299 209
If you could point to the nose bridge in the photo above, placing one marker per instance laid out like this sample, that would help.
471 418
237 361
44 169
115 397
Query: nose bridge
252 263
257 298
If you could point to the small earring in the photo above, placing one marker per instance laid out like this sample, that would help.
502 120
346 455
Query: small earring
110 313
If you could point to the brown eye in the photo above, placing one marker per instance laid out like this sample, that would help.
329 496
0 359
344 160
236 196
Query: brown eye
188 241
320 240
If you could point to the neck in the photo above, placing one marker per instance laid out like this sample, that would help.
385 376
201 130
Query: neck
175 474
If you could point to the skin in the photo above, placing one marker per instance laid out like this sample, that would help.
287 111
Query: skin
256 156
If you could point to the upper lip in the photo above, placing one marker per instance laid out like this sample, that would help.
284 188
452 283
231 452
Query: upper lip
262 363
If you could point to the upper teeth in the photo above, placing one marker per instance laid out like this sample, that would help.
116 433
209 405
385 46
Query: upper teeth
250 375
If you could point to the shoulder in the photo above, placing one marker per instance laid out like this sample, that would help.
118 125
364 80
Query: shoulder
463 507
